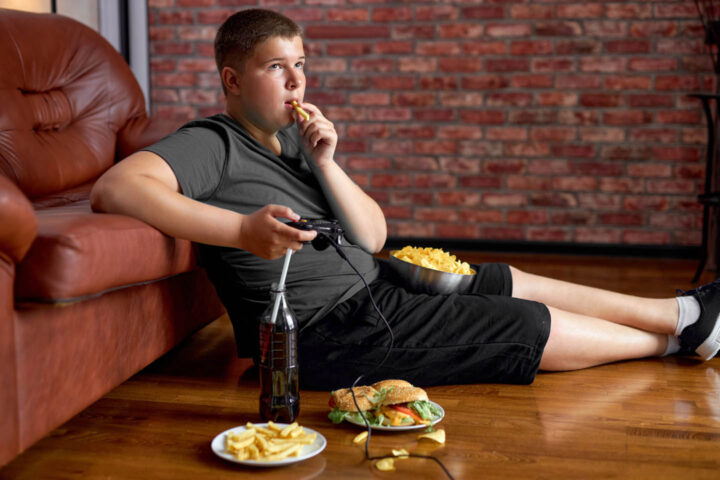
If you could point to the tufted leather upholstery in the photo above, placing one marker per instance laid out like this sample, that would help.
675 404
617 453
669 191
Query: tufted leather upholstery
86 299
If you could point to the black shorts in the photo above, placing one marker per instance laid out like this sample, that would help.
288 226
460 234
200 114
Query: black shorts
480 336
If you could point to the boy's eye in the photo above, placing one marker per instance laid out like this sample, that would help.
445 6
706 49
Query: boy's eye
275 66
300 65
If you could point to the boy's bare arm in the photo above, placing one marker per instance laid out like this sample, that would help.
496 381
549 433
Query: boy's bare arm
360 214
145 187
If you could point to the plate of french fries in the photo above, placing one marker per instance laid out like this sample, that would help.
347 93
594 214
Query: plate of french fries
268 444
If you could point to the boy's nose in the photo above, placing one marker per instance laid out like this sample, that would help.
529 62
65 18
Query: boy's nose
294 80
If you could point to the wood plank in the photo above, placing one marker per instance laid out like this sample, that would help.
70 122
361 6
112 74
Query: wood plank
655 418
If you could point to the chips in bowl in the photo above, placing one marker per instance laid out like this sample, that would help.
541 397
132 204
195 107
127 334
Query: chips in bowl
431 270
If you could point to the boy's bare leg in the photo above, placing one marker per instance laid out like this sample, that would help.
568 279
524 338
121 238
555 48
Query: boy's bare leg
577 341
649 314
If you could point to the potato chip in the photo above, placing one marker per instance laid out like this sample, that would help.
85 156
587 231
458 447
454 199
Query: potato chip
402 453
434 258
360 437
385 465
436 436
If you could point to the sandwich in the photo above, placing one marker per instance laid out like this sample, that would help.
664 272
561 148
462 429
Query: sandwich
391 403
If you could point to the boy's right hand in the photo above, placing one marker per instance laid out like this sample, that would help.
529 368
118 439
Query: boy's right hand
262 234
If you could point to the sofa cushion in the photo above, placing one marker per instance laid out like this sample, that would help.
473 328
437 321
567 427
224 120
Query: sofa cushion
79 254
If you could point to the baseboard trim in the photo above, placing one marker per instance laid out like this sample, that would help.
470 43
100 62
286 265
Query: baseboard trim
611 250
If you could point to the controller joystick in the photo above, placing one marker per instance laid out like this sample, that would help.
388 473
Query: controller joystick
327 231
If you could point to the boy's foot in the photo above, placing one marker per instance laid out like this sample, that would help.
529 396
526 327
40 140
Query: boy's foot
703 336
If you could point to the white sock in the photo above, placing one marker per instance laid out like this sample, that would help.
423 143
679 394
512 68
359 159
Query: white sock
673 346
688 312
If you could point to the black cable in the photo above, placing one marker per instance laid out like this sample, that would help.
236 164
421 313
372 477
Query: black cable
338 249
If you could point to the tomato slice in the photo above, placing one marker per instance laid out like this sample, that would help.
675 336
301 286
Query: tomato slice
331 402
409 412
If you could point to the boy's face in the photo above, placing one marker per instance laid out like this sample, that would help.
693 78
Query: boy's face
272 78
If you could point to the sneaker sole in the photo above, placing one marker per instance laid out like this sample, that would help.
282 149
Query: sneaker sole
711 345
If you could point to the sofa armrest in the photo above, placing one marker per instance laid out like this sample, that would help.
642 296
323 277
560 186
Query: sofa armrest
139 132
18 220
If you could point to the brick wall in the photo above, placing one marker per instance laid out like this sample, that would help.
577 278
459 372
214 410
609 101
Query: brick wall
551 121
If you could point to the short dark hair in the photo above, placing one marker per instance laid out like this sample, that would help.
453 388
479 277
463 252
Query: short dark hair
238 36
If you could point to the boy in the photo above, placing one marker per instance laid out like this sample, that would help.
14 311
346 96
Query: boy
229 182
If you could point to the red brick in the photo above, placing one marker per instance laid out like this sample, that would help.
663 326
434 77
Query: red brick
339 114
347 31
511 99
527 182
459 165
436 214
575 184
411 198
581 46
480 181
508 30
580 10
195 3
393 83
483 12
502 233
676 154
677 83
438 83
605 134
173 79
352 146
436 13
655 135
599 201
362 130
368 163
484 48
558 29
383 65
392 147
389 114
527 217
621 218
413 99
415 229
671 186
596 235
436 147
530 47
643 237
605 28
345 14
458 30
578 117
627 117
571 82
626 82
438 48
507 65
390 180
649 170
445 230
459 132
506 133
192 33
690 171
170 48
659 64
417 64
645 202
622 185
553 200
345 49
553 134
176 112
484 149
416 162
675 10
550 167
532 81
161 33
526 149
394 211
481 216
484 82
434 180
369 98
572 218
181 17
393 47
413 31
684 237
414 131
466 199
347 83
548 234
504 166
573 151
434 115
391 14
627 46
297 14
603 64
196 65
504 199
559 99
600 169
331 65
460 65
535 12
654 28
553 65
483 117
678 117
198 97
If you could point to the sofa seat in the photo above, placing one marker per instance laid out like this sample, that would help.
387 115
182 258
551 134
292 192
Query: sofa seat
78 254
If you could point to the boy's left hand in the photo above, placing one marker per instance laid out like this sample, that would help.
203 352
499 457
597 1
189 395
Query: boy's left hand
319 134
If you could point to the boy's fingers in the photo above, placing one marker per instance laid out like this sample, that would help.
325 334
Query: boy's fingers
279 211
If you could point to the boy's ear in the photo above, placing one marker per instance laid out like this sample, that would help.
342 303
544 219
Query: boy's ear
231 79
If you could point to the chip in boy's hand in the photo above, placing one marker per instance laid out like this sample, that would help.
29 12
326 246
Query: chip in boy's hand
434 258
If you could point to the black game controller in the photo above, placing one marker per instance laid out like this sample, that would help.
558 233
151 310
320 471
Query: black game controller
327 231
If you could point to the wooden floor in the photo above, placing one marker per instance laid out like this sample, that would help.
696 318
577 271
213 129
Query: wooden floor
653 419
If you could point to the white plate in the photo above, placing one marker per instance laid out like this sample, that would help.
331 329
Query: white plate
402 428
307 451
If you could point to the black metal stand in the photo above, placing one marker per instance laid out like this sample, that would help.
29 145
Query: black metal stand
710 197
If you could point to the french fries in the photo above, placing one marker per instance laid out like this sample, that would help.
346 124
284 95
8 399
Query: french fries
434 258
300 110
268 444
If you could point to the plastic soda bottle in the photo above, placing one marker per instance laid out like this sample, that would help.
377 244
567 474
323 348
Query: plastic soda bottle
279 389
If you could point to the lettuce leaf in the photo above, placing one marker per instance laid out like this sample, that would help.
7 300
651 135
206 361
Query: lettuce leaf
337 416
425 409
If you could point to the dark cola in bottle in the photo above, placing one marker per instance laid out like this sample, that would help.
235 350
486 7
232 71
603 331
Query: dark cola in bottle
279 389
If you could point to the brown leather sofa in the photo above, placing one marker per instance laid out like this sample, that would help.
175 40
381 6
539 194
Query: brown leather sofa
86 299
